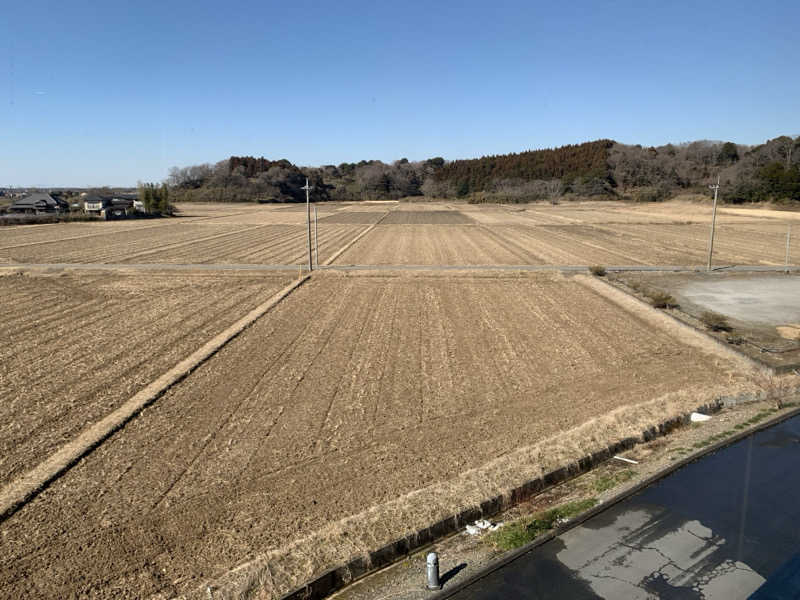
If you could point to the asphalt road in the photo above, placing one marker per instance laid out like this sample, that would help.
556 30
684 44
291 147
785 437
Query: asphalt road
715 529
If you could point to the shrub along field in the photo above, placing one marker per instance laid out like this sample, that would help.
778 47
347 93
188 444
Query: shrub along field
352 395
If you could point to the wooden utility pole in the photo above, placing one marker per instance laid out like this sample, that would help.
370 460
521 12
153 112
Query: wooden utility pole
713 223
308 188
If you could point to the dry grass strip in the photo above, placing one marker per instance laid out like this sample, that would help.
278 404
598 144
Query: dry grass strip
14 495
279 571
670 325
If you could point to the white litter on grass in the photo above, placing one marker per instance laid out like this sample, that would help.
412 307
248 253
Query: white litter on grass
482 525
698 417
627 460
472 530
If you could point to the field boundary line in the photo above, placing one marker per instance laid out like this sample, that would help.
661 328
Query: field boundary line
669 324
349 244
25 487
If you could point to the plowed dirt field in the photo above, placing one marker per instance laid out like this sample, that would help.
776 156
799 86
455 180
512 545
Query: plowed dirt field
74 346
187 243
350 393
435 233
749 243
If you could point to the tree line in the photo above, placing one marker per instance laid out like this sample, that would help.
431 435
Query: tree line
155 198
601 168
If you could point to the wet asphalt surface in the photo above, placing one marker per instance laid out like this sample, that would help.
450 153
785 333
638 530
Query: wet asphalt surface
715 529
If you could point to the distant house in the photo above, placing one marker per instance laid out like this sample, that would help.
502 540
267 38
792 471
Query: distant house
108 206
35 204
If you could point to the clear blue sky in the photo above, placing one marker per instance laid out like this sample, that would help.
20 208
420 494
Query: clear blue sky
108 92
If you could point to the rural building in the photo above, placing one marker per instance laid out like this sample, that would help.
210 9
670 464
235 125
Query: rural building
108 206
37 203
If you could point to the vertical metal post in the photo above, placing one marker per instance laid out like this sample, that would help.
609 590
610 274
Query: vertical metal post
432 569
316 237
713 224
788 245
307 188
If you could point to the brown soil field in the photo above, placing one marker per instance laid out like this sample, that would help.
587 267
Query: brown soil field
199 219
740 243
580 233
748 243
354 217
351 393
438 245
116 244
426 217
502 245
23 235
611 212
188 243
754 335
264 244
214 209
77 345
283 215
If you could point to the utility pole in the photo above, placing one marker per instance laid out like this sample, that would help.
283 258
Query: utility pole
308 188
713 223
316 236
788 245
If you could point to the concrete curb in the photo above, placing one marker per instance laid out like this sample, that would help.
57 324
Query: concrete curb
20 491
361 566
583 517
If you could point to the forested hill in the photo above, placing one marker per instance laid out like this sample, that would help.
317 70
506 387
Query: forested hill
567 164
602 168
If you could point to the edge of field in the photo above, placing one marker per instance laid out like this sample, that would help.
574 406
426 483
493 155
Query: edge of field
633 488
339 554
350 549
23 489
669 324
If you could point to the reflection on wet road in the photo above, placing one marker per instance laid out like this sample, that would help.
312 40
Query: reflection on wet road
716 529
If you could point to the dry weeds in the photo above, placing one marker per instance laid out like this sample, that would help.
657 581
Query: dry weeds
277 572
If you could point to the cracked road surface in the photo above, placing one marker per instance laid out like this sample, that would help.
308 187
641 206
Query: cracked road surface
716 529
